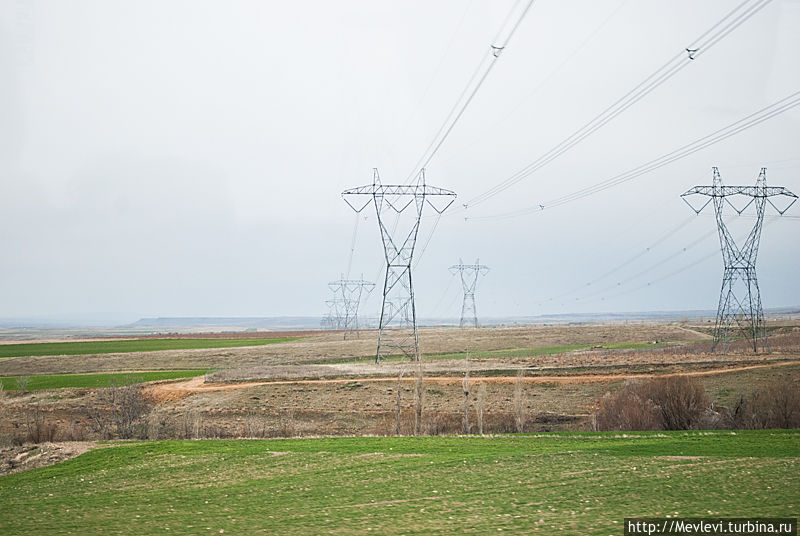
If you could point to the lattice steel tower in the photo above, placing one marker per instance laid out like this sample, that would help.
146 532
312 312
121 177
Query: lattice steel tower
469 280
347 297
398 322
740 298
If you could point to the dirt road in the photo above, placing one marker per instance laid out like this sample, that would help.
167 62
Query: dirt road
173 391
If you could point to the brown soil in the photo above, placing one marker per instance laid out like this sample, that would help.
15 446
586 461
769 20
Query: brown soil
172 391
26 457
314 386
327 346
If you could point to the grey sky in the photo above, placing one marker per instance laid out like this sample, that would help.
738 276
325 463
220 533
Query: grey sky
186 158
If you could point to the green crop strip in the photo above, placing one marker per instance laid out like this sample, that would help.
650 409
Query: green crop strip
93 381
126 346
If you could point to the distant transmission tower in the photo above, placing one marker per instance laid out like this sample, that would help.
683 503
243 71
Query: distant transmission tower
398 322
740 298
333 319
348 294
469 280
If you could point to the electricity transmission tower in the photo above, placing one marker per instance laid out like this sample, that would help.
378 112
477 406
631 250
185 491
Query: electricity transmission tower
347 297
397 331
469 280
331 319
740 298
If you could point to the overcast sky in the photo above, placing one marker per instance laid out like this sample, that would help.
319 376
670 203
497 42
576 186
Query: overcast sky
163 158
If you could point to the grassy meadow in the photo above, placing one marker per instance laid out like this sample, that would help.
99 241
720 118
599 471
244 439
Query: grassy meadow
95 381
582 483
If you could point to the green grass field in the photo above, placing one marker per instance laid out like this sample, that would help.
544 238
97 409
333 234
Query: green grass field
571 484
61 381
125 346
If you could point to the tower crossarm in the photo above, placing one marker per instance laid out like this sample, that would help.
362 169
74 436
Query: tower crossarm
750 191
398 189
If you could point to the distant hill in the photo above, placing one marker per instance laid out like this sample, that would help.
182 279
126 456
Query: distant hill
217 323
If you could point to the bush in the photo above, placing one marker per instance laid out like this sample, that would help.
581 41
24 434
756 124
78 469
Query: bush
667 403
626 410
120 412
773 405
681 400
38 428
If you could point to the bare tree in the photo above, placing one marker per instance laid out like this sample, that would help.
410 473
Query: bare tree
418 399
465 388
519 404
481 406
397 404
39 430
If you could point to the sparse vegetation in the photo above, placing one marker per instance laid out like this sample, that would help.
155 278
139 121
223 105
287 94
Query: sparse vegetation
481 406
120 412
519 403
22 383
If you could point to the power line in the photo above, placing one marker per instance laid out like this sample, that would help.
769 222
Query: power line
664 277
485 67
627 262
439 65
717 136
700 45
547 78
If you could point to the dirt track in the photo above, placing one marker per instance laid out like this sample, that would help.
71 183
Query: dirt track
173 391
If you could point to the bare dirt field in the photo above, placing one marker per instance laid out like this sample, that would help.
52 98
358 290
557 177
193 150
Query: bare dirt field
323 385
329 346
25 457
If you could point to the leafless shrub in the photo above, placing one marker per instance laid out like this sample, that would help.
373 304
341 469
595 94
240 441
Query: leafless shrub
667 403
38 428
99 421
75 431
215 431
287 426
442 422
481 406
387 423
157 426
779 403
255 425
519 404
128 405
682 400
191 424
627 410
773 405
120 411
22 384
500 423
